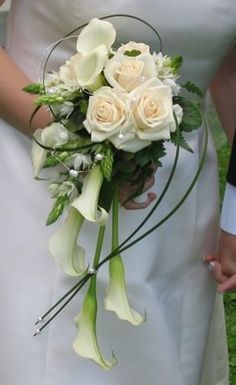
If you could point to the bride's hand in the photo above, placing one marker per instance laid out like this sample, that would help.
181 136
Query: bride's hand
224 264
128 189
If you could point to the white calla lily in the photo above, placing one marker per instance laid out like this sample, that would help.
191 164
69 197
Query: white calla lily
85 343
116 299
87 202
51 136
90 66
96 33
63 245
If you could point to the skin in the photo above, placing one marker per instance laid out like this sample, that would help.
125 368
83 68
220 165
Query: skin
16 106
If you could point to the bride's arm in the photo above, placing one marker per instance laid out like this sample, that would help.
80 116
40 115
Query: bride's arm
223 90
16 106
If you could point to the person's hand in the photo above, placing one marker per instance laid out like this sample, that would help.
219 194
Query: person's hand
128 189
224 264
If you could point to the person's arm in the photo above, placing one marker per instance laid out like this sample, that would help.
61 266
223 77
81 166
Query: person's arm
223 90
16 106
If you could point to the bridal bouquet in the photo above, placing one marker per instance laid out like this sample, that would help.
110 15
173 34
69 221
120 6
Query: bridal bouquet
113 110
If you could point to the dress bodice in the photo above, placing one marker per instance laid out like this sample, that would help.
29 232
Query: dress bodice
201 31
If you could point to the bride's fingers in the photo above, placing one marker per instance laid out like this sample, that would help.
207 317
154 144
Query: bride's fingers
132 205
216 269
228 285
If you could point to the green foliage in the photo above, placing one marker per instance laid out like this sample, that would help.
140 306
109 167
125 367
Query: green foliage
52 161
59 205
192 118
83 106
176 63
34 88
191 87
132 53
107 164
182 141
151 154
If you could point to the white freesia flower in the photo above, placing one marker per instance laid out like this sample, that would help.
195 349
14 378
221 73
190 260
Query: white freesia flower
163 64
116 299
82 160
51 136
153 110
109 115
61 188
126 73
178 110
66 109
175 87
87 202
85 343
96 33
63 245
84 70
133 46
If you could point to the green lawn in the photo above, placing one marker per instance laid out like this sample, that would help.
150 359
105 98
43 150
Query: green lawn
223 152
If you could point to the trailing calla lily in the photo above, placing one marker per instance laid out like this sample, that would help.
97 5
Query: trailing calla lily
52 136
116 299
63 245
85 343
87 202
96 33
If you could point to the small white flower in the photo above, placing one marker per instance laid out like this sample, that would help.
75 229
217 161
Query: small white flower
66 109
82 160
51 136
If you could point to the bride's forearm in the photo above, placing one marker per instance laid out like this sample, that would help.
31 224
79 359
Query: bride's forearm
16 106
223 91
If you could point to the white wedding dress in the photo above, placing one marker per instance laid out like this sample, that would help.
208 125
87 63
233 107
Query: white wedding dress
183 340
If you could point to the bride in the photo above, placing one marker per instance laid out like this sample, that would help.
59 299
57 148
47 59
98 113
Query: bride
183 341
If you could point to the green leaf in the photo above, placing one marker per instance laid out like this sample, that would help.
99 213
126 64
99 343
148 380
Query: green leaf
51 161
49 99
191 87
151 154
83 107
192 118
176 63
58 208
107 163
106 195
132 53
34 88
182 141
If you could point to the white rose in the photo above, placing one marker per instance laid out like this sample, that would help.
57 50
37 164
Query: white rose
85 70
133 46
127 73
109 116
153 110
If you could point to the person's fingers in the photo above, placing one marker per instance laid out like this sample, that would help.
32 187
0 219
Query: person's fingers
209 258
131 205
216 269
228 285
149 183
